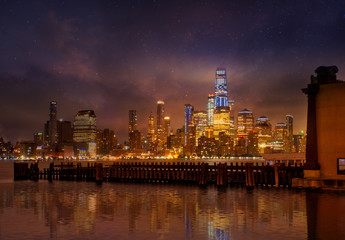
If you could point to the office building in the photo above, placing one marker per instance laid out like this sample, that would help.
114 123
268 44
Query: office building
263 128
200 123
221 115
50 128
84 131
210 109
160 125
65 132
245 122
289 126
189 129
167 128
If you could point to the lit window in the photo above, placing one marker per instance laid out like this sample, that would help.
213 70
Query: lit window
341 165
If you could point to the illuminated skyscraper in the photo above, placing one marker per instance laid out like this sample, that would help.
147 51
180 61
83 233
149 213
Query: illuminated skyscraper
221 122
264 129
221 89
245 122
221 115
84 130
280 137
210 109
200 123
188 119
167 128
151 128
160 125
84 126
189 129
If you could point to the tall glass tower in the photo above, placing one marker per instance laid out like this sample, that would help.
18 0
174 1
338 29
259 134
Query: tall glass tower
221 89
210 109
160 124
188 119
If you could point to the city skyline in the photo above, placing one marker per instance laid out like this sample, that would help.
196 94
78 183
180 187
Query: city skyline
115 56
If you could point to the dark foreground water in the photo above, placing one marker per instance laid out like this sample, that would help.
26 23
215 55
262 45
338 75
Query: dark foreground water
85 210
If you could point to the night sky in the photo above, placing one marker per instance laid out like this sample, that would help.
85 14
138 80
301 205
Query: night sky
112 56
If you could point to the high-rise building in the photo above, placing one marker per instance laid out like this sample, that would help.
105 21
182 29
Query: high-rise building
232 119
264 130
245 127
132 122
221 121
160 124
106 141
189 128
84 130
289 126
280 137
245 122
65 132
221 115
221 89
210 109
167 127
200 122
188 118
38 138
299 142
151 128
149 142
134 136
50 128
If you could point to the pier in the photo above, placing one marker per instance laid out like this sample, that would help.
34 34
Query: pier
222 174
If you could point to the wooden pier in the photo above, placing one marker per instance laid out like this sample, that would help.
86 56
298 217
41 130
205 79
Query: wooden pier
221 174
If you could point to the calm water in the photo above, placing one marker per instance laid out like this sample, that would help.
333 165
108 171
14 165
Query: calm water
85 210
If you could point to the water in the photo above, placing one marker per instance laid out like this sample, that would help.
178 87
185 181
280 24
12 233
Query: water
85 210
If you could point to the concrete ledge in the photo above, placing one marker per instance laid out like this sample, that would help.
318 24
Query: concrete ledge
311 173
318 183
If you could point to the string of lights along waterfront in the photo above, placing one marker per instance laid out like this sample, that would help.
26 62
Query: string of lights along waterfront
213 132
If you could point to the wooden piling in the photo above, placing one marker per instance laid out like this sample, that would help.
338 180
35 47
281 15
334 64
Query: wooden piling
249 176
276 175
99 172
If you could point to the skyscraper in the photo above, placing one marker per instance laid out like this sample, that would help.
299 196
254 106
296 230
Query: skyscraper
65 132
264 129
151 128
280 137
200 122
84 130
132 121
167 128
289 126
50 128
245 122
188 119
160 125
189 129
221 115
210 109
221 89
134 136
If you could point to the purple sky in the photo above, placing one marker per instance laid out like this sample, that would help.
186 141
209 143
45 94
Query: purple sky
112 56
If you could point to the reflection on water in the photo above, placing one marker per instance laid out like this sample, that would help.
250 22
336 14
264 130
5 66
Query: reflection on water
85 210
